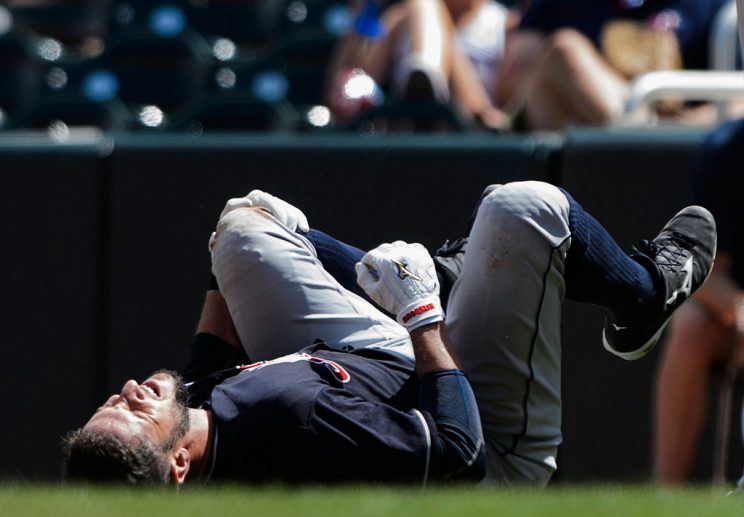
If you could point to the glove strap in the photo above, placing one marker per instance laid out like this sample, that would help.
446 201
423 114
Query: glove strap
422 312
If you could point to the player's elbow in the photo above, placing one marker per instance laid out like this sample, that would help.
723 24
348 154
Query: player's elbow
461 454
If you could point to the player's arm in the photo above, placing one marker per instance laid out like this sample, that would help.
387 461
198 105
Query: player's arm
215 319
216 344
401 278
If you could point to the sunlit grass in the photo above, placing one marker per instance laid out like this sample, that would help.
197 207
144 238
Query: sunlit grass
573 501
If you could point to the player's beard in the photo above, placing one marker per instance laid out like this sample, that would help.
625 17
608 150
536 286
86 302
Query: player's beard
180 409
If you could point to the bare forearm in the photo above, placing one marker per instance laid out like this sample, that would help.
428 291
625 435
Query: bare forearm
215 319
433 349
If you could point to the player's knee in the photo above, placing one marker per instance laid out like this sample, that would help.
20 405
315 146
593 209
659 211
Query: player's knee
536 204
242 228
521 198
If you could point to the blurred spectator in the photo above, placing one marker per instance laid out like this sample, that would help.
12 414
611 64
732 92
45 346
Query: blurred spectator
80 25
427 49
703 334
571 61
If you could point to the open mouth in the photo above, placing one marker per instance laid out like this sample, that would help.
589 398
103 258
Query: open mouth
152 387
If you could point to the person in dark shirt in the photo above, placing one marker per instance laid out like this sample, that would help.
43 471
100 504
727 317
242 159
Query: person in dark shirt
383 398
571 61
706 335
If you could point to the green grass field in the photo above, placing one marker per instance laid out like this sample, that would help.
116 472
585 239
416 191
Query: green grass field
361 502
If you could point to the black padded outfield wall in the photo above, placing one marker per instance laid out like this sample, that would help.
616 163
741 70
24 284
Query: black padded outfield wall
108 261
50 265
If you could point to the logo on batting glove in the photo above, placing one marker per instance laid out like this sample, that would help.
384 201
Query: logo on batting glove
418 310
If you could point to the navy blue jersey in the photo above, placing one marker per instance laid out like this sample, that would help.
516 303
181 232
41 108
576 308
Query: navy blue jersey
718 185
323 416
690 19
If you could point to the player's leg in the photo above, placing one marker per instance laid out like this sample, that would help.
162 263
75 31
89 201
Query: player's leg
529 239
643 289
282 299
504 319
338 258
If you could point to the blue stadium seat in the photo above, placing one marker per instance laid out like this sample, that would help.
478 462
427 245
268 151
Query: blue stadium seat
166 71
245 22
333 17
294 70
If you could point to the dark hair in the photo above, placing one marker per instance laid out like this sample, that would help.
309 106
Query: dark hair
99 457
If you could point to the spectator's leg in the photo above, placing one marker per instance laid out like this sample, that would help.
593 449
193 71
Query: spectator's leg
694 344
415 27
574 85
469 91
524 52
425 43
281 298
504 319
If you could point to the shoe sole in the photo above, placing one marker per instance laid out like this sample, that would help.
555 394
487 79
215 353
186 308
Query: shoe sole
419 88
648 345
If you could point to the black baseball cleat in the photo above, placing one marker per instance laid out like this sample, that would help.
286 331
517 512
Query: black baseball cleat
680 258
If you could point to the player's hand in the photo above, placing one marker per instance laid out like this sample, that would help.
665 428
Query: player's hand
289 215
401 279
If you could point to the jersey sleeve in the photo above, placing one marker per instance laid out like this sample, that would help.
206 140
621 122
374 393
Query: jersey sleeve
207 354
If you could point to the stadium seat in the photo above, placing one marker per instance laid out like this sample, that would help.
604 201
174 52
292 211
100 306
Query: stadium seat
332 17
294 70
21 70
400 116
235 112
166 71
252 22
245 22
73 111
72 22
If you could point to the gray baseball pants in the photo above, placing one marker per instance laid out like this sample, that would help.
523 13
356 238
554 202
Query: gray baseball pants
503 315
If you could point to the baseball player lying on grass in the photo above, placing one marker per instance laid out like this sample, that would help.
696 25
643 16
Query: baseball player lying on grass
383 399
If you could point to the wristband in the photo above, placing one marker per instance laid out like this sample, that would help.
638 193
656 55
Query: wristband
422 312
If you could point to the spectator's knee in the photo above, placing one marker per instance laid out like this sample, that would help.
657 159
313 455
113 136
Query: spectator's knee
565 44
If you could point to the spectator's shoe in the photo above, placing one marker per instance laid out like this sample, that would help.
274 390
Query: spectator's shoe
679 259
423 83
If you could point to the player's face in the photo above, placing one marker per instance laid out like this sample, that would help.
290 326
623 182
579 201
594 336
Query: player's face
148 410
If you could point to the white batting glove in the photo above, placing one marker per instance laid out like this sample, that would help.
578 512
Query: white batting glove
289 215
401 279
